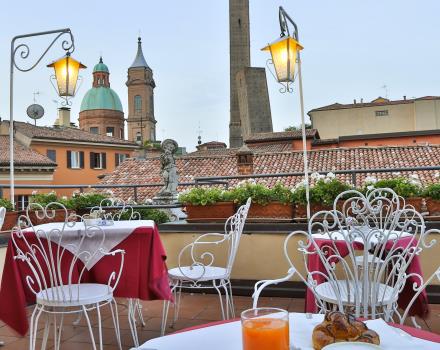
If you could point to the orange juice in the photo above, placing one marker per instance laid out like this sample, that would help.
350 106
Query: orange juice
265 334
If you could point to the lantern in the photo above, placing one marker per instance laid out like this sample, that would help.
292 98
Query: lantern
66 74
284 52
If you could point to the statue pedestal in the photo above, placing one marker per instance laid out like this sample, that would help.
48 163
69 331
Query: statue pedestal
175 214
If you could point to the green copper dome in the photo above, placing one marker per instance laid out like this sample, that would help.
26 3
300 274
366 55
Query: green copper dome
101 98
100 67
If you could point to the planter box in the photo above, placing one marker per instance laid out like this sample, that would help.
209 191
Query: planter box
301 210
10 220
213 212
416 202
433 206
272 212
60 216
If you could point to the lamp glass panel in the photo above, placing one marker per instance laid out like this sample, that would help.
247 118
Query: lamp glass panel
284 54
66 73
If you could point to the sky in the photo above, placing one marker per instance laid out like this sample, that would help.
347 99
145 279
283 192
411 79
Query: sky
352 49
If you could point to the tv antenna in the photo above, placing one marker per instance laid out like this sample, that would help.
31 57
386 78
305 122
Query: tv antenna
35 111
385 87
199 137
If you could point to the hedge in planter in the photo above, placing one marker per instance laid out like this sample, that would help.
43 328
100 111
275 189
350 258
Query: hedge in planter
268 204
432 194
11 215
207 204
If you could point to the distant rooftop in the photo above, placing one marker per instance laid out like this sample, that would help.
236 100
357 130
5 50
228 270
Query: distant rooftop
23 156
281 135
380 101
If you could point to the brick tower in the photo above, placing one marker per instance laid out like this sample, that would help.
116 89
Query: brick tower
141 123
240 57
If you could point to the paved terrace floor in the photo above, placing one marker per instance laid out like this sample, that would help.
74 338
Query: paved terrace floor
196 309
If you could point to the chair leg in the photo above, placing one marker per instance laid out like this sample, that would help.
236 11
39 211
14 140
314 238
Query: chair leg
220 298
57 333
165 310
45 333
98 311
231 300
227 305
33 326
115 318
89 326
139 311
132 322
177 304
78 319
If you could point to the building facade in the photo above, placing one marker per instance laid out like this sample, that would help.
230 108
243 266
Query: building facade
378 116
101 109
141 123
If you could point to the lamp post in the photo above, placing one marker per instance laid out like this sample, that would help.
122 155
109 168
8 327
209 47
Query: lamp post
66 75
285 55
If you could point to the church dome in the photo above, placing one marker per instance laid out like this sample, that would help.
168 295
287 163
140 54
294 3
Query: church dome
100 67
101 98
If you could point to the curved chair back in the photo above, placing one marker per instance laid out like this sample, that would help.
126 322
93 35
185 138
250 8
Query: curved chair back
57 254
362 248
200 250
2 216
124 212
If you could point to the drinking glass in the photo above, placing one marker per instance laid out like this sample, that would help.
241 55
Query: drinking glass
265 328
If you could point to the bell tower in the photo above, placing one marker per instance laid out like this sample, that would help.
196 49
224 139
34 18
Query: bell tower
140 122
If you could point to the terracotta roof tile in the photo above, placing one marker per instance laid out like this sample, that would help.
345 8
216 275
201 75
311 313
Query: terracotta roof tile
281 135
23 156
210 163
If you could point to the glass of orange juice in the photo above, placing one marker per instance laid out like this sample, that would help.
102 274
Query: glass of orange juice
265 328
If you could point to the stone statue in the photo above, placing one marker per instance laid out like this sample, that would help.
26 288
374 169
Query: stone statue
168 169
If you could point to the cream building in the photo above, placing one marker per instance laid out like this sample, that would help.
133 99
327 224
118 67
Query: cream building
378 116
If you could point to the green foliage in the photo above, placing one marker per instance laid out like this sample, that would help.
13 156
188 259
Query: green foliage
324 191
204 196
45 198
83 200
297 127
404 187
7 204
158 216
432 191
260 193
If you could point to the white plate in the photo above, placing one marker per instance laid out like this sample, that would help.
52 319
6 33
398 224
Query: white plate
351 345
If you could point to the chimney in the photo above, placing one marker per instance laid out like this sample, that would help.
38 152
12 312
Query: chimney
354 101
404 97
245 160
63 117
362 100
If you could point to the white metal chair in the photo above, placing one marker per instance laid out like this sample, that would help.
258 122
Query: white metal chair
201 272
2 216
123 211
54 276
369 244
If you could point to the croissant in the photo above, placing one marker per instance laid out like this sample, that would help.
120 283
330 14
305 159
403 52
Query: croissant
338 327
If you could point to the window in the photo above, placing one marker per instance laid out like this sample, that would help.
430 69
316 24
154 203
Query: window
121 133
97 160
120 157
137 104
94 130
21 202
52 155
152 135
110 131
383 113
75 159
138 137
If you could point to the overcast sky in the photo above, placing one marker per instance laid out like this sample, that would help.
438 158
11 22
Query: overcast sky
352 49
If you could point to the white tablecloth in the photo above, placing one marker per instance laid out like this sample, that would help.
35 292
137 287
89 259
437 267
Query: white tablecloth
114 234
228 337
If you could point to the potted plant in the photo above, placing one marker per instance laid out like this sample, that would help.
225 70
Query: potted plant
56 212
157 215
322 193
432 195
80 201
409 188
268 204
11 215
207 204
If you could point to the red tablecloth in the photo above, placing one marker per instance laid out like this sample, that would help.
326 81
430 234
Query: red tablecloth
144 276
418 333
420 306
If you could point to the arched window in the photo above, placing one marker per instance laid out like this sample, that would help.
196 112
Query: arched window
138 104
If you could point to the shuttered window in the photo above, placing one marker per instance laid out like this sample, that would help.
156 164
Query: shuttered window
75 159
98 160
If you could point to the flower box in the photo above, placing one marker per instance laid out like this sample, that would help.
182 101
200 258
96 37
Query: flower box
433 206
301 209
10 220
59 215
273 211
212 212
416 202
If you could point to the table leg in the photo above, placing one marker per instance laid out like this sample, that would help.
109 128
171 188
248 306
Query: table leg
132 306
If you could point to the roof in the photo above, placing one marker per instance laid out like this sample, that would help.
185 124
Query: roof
214 163
139 60
66 134
23 156
281 135
101 98
101 67
380 101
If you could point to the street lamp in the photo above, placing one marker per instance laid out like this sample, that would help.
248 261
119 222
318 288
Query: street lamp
66 75
285 53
